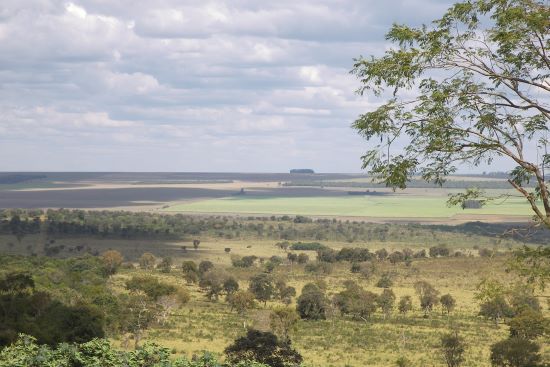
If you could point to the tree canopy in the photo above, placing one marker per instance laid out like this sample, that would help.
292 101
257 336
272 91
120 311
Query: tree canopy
481 76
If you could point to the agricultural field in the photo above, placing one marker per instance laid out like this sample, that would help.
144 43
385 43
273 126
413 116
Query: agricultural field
389 206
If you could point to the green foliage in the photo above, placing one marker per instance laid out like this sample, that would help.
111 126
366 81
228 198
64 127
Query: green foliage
356 301
25 310
533 264
241 301
405 304
385 281
312 303
99 352
307 246
150 285
263 347
480 73
452 347
262 287
515 352
427 295
529 324
147 261
447 302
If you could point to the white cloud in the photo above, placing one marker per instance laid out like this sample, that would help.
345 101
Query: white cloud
239 86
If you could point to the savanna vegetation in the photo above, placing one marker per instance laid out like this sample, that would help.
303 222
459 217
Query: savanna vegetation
113 288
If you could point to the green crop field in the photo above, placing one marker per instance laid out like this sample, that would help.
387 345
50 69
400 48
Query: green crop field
395 206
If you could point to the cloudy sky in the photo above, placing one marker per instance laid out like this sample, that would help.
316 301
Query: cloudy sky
242 85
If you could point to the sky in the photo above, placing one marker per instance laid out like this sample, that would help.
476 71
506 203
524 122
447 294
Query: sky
172 85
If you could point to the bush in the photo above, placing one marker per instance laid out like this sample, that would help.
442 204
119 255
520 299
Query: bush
151 286
98 352
515 352
405 304
385 281
312 303
263 347
307 246
453 349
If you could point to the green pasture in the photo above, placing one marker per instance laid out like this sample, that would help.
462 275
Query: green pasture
406 206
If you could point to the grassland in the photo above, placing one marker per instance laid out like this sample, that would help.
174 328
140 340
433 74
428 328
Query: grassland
388 206
341 341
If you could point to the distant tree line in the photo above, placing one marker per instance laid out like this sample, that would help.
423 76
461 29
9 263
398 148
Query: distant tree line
122 224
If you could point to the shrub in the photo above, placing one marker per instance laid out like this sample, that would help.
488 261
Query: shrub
447 302
515 352
263 347
453 349
385 281
307 246
405 304
312 303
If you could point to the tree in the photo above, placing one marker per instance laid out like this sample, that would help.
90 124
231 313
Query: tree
292 257
282 320
285 292
147 261
262 287
495 309
447 303
230 285
241 301
385 301
481 74
168 303
165 265
312 303
427 294
396 257
190 271
303 258
356 301
112 260
139 314
381 254
453 349
99 352
493 305
213 283
529 324
515 352
196 244
151 286
385 281
405 304
205 266
533 264
263 347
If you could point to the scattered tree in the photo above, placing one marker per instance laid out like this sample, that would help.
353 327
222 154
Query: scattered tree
427 294
112 260
282 321
241 301
447 303
386 301
453 349
515 352
262 287
263 347
147 261
312 303
405 304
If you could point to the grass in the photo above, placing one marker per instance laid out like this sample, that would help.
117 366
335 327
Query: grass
341 341
390 206
338 341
